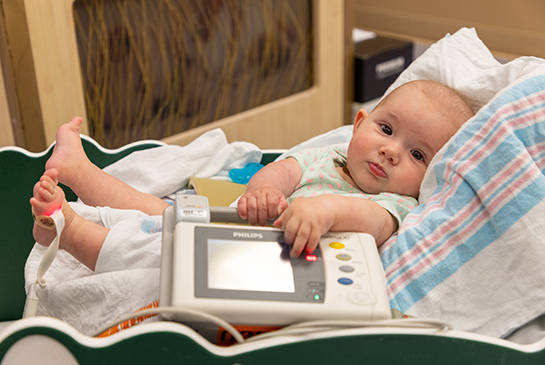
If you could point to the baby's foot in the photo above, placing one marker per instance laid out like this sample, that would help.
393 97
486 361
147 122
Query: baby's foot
49 198
68 157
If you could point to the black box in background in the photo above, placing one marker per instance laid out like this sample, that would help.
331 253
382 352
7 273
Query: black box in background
377 63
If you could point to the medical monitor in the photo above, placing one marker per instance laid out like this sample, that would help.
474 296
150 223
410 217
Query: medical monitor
245 275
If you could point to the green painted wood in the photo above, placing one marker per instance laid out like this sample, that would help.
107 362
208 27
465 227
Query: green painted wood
174 348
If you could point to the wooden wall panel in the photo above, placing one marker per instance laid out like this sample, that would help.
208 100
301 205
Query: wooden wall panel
514 28
47 73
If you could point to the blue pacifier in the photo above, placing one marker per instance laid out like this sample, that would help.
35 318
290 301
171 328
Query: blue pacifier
243 175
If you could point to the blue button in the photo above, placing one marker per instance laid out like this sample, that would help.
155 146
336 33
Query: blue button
345 281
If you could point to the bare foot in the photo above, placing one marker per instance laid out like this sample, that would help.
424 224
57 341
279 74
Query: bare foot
49 198
81 238
68 157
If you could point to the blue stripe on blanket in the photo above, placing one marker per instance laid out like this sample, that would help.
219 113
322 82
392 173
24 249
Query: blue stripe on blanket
490 177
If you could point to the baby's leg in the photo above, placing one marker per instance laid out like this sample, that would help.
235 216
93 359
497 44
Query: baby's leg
92 185
80 237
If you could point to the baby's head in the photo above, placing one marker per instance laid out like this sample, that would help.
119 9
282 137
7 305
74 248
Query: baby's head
393 145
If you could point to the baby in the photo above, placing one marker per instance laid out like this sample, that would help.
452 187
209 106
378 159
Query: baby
385 164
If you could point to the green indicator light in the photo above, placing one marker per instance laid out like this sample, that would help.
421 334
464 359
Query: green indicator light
317 297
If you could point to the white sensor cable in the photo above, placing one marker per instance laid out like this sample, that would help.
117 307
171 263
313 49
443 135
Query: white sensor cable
31 304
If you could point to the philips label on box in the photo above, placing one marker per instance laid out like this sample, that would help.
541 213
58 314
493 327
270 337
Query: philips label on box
377 63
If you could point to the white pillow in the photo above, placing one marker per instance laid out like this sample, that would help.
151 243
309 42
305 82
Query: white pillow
463 62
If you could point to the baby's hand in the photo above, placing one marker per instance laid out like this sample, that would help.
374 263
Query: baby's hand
304 222
260 205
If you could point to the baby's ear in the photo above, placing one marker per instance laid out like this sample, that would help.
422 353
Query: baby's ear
360 116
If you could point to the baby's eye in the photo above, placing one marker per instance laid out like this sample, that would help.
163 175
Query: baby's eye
417 155
386 129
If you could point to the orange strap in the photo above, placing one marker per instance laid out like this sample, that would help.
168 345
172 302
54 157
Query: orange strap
131 322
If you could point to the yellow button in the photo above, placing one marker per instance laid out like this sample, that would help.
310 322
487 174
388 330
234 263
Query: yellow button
336 245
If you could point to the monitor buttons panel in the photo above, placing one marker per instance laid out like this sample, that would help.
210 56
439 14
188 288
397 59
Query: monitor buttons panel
349 276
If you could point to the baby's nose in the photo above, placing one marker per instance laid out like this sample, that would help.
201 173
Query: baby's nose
391 153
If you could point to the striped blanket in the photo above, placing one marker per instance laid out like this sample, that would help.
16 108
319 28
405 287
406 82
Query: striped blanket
473 253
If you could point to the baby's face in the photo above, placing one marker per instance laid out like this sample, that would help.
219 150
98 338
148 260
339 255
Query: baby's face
392 147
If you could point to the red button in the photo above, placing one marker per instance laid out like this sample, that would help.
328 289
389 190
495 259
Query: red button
311 258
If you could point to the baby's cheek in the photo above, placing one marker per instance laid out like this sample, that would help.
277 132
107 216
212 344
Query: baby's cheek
412 182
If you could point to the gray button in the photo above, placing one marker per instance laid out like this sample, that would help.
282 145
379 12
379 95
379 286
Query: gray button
346 268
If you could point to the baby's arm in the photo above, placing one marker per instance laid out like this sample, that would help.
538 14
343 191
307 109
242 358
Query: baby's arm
307 219
265 196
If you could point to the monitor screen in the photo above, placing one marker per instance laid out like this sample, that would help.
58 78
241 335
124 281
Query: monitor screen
250 265
242 263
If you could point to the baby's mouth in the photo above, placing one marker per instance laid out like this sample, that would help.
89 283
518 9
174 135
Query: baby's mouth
377 170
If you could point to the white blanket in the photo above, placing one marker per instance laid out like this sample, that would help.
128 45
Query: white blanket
126 277
161 171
